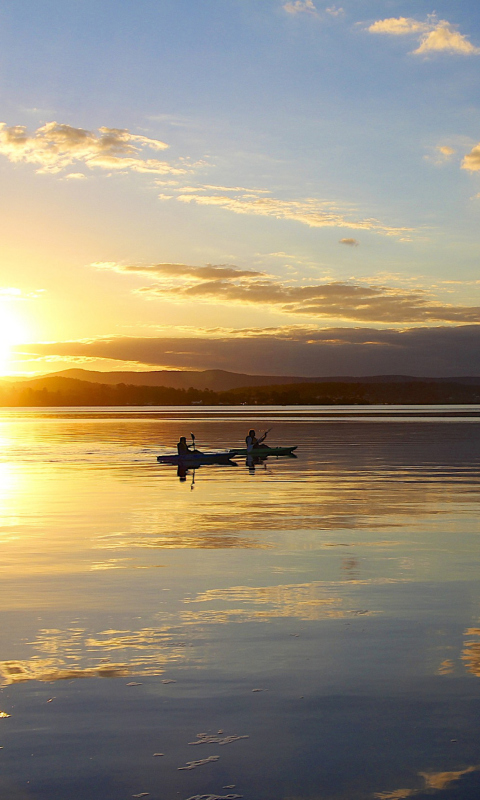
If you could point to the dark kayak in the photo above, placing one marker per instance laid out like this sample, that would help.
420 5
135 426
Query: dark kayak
263 451
196 459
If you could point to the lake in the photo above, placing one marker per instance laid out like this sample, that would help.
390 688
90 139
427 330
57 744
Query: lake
299 628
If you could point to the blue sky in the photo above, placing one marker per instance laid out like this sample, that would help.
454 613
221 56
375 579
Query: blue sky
324 152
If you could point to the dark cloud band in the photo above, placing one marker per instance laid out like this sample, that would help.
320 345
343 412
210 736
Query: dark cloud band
424 352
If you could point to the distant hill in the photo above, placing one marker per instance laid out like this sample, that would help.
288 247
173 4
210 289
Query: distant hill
218 380
58 390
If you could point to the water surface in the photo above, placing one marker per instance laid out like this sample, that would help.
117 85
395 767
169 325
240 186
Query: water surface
315 619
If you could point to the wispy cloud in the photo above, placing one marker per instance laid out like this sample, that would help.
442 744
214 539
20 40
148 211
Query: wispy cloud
207 273
13 293
440 154
309 211
350 242
434 35
228 284
56 146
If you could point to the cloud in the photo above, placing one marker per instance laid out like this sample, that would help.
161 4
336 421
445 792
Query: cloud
13 293
398 26
472 159
435 35
312 212
440 155
295 350
445 150
335 12
300 7
444 38
208 273
55 146
350 242
227 284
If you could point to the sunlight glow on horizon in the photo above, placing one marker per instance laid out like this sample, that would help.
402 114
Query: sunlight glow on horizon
13 330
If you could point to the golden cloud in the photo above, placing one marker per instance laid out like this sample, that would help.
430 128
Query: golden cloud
312 212
398 26
472 159
55 146
435 35
335 300
444 38
209 272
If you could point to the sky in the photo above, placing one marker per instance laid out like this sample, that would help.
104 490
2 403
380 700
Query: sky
287 187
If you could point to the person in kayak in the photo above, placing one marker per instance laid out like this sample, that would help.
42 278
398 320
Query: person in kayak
183 448
252 441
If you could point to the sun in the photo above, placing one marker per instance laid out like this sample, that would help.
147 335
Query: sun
12 331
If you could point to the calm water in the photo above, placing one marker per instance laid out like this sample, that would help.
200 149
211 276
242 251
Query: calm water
308 628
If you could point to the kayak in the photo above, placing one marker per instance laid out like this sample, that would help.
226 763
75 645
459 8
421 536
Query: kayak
263 451
196 459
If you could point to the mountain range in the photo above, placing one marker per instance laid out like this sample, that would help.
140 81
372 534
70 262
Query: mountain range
217 380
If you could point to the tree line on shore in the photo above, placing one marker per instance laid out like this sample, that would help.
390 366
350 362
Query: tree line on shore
70 392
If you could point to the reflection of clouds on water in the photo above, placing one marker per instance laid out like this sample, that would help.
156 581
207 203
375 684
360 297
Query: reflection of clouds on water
239 515
432 781
305 601
447 667
48 670
471 652
75 653
181 540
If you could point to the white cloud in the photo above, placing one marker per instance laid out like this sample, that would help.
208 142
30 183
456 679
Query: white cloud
444 38
300 7
55 146
472 159
435 36
13 293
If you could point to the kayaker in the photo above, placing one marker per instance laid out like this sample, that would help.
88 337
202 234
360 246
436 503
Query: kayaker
183 448
252 441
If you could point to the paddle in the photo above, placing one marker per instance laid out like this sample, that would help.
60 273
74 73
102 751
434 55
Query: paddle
262 438
192 485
